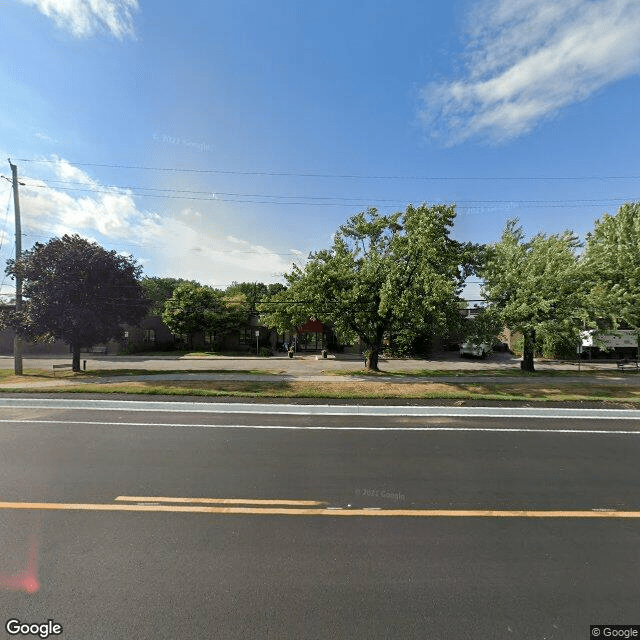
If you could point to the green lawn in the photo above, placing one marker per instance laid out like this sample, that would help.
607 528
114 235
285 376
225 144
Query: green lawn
542 391
452 373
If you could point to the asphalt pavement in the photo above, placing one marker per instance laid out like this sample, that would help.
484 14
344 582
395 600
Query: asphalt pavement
182 520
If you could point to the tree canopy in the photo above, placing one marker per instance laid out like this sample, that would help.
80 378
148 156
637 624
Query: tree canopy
254 292
612 258
196 308
482 328
536 287
76 291
159 290
394 275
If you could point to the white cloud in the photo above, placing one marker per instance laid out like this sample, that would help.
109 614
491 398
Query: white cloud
527 59
84 206
236 240
45 137
216 260
182 245
190 213
84 17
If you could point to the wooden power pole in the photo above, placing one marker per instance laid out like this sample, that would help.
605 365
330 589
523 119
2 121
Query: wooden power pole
17 340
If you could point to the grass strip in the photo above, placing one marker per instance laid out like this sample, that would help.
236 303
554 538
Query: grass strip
461 373
358 390
33 375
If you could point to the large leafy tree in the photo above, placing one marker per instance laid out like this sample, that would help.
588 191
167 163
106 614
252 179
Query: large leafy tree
393 275
536 287
196 308
482 328
254 292
159 290
78 292
612 259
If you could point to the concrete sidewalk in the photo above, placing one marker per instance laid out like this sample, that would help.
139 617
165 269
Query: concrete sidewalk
303 364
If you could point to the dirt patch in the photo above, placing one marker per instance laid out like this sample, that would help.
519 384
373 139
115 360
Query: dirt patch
355 390
515 389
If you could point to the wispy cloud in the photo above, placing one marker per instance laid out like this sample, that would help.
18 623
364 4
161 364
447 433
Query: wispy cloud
527 59
45 138
85 17
81 204
215 259
181 244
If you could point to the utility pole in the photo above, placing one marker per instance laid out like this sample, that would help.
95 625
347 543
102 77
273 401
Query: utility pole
17 340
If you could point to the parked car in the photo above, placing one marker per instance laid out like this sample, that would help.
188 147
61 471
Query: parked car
479 350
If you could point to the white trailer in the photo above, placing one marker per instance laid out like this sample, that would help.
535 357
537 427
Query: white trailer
610 339
620 343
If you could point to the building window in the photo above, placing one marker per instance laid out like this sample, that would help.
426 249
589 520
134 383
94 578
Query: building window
247 335
149 336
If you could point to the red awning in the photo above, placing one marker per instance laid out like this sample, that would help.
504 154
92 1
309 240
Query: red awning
311 326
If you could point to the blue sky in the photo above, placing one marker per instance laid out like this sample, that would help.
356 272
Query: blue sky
221 141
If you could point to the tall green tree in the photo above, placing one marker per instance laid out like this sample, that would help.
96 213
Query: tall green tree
536 287
385 274
159 290
254 292
196 308
78 292
612 258
482 328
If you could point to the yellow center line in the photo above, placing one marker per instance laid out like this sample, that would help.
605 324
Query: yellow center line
419 513
289 503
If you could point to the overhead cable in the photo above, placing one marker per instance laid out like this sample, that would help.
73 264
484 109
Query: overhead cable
321 175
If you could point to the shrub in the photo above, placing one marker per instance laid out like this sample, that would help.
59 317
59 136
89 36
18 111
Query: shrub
265 352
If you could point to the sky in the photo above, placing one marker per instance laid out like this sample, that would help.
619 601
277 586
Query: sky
223 141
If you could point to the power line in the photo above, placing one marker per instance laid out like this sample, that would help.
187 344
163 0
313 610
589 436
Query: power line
213 194
323 175
214 197
6 217
4 277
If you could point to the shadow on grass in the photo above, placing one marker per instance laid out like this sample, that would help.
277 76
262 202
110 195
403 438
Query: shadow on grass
7 375
357 390
105 373
466 373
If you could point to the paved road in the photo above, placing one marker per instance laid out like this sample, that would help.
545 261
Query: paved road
361 549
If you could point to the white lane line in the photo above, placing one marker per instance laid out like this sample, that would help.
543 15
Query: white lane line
325 428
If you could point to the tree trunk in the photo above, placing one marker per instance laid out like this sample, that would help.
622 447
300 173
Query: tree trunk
529 350
371 362
75 347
